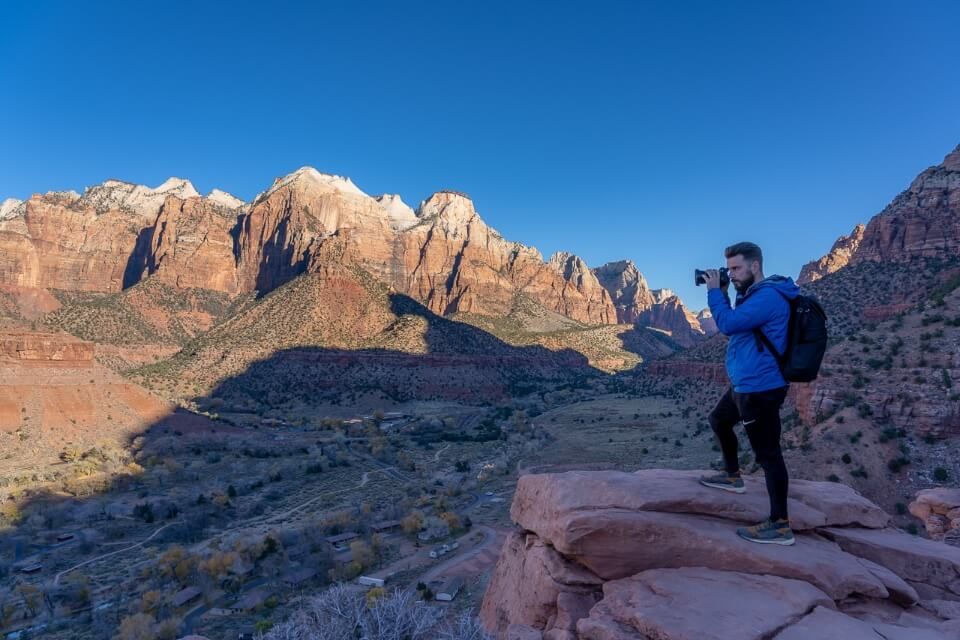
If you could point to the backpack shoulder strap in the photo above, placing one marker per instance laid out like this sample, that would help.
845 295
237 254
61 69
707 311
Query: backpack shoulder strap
762 338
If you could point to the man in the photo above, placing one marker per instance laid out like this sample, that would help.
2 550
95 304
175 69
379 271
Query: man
758 387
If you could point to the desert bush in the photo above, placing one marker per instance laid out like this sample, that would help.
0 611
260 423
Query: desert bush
341 612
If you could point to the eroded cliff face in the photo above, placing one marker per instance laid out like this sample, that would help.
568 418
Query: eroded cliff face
116 233
58 243
636 303
628 289
443 254
190 246
922 222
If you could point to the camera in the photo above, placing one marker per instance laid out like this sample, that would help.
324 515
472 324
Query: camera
700 277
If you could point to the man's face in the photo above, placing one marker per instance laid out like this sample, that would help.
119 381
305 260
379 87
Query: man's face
741 272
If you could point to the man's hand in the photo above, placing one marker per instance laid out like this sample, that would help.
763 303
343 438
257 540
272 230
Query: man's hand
713 278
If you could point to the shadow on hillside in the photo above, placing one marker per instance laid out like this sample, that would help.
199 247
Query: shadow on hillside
79 519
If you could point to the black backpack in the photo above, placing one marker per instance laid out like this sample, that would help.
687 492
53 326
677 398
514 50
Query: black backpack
806 340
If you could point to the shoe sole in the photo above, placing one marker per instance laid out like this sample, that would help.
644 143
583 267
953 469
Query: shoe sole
724 487
784 543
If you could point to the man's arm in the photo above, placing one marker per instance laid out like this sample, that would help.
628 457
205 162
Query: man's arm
753 313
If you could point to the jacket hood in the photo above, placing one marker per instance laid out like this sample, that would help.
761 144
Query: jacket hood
783 284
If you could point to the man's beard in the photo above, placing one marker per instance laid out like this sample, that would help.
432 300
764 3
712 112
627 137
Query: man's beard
742 287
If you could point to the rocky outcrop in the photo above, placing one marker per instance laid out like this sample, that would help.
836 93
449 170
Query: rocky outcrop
939 510
707 323
609 555
23 347
922 222
672 316
839 257
627 287
636 303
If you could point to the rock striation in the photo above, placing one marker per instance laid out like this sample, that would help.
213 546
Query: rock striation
653 555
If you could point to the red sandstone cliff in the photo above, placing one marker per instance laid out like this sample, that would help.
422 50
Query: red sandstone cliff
444 254
923 221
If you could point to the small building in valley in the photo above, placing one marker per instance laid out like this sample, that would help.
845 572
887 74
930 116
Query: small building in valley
450 589
185 596
298 577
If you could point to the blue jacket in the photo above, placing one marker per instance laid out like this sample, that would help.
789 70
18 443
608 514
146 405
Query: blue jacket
761 306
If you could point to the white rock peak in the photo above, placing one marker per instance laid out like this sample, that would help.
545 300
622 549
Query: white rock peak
225 199
325 181
177 186
9 208
117 194
453 209
401 216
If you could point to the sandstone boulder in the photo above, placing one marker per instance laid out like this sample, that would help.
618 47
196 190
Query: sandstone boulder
652 555
616 544
531 583
939 509
912 558
544 497
826 624
701 604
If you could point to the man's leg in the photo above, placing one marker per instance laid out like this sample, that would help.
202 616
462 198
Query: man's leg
722 420
763 427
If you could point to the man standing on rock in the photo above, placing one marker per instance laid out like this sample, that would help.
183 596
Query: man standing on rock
758 387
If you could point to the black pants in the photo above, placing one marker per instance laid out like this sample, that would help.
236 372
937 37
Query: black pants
760 413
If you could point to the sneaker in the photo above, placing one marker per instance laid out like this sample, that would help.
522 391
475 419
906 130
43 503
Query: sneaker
769 532
724 481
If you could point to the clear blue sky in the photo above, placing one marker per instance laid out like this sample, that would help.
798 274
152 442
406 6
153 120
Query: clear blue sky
658 132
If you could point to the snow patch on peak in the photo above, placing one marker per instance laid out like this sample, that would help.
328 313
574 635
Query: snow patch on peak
10 208
401 216
327 181
225 199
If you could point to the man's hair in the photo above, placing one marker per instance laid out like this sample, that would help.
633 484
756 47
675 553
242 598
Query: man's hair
748 250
